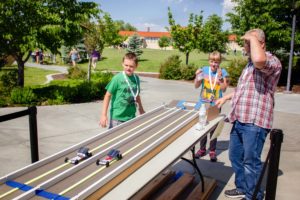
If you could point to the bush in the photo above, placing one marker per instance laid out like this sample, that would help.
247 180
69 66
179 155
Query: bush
235 68
9 80
60 91
76 73
23 96
188 72
173 69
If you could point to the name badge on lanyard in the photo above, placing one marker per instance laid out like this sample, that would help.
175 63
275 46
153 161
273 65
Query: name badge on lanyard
212 85
134 95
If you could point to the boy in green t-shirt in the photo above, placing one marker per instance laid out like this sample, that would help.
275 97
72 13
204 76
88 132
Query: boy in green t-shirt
123 91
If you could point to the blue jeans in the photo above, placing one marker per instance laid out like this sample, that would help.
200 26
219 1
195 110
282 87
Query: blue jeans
245 147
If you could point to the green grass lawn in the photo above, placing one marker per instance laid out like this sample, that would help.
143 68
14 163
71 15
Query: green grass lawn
32 76
150 60
35 76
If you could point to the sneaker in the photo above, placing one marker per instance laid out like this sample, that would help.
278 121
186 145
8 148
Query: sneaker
213 156
200 153
234 193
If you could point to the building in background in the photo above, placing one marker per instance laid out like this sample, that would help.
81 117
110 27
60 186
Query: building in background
232 43
150 39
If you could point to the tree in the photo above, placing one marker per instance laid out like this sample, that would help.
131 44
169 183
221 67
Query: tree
122 26
110 31
212 37
185 38
164 42
274 17
98 35
134 45
25 25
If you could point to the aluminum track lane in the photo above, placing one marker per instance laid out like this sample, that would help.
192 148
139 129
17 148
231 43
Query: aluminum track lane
46 170
79 178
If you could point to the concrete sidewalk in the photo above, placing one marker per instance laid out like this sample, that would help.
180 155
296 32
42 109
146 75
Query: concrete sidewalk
62 126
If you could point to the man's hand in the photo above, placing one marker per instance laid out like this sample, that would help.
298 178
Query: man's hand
220 102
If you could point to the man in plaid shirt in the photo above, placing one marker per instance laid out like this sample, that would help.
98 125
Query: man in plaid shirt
251 114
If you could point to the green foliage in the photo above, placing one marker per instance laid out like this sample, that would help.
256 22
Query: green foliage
185 38
22 96
9 80
134 45
212 38
235 68
109 30
188 72
206 37
76 73
274 17
173 69
46 24
122 26
170 69
164 42
71 91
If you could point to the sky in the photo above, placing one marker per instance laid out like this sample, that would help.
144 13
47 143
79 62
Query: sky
154 13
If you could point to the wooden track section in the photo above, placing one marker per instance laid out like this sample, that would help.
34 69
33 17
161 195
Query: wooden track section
197 193
155 185
177 188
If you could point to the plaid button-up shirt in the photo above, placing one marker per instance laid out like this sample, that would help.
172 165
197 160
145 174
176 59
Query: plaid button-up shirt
253 99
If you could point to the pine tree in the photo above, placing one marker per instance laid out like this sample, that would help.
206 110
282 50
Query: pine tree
134 45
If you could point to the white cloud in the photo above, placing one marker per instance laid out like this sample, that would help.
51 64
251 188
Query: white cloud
185 9
228 6
152 26
174 1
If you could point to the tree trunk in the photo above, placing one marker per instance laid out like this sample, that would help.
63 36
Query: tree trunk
89 68
187 58
21 67
20 63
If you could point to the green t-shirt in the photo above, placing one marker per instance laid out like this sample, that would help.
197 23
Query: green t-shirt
122 101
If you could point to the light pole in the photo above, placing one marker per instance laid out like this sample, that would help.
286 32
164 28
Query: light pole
288 85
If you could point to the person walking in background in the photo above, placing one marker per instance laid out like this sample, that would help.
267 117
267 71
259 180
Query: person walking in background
74 54
251 114
123 91
95 58
213 81
33 56
37 56
41 56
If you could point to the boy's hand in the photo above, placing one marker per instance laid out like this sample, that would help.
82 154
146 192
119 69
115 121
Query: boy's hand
103 121
198 71
199 75
141 111
220 73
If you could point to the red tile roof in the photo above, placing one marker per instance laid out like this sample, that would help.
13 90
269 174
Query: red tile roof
232 37
145 34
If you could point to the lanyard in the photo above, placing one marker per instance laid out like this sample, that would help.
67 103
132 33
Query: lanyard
212 86
131 90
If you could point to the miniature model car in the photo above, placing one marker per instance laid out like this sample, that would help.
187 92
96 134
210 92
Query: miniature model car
113 154
82 153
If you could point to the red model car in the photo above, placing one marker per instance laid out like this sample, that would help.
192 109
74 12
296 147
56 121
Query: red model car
113 154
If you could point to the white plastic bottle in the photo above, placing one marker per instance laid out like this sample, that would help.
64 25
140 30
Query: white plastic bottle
202 116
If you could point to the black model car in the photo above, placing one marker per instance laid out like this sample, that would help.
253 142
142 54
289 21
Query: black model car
82 153
113 154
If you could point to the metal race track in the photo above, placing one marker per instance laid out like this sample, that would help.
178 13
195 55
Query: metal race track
138 140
